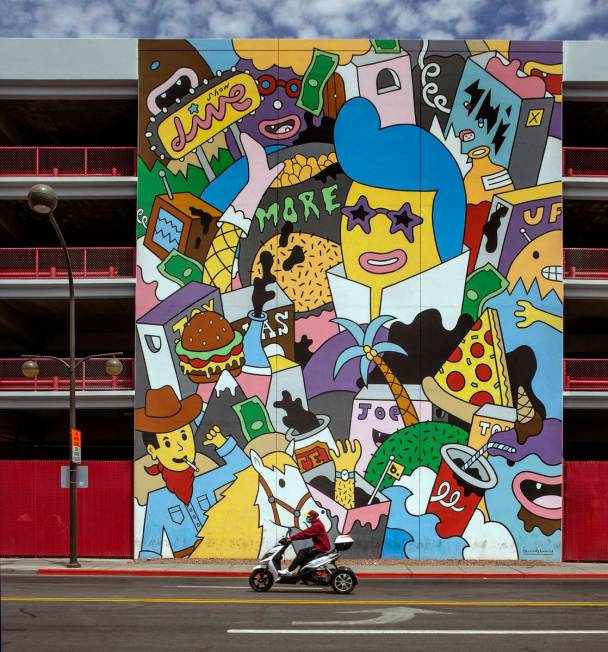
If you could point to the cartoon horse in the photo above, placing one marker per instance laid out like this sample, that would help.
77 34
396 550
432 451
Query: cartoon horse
257 509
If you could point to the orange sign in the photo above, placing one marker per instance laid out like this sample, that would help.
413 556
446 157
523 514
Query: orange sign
311 456
76 439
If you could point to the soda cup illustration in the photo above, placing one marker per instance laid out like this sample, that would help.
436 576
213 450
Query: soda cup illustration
457 492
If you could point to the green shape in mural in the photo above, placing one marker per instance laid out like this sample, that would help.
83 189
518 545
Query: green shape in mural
253 417
417 445
386 45
181 269
316 76
481 285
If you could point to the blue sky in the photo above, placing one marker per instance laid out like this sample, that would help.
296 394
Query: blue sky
513 19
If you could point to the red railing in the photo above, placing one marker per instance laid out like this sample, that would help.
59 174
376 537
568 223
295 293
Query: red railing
586 374
585 161
87 262
54 377
586 263
68 161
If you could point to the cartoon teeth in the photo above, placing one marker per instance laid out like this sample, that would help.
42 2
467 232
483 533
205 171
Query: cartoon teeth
552 272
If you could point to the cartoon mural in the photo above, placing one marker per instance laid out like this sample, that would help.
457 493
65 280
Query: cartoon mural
349 297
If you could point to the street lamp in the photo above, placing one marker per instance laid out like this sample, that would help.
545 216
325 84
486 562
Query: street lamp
42 199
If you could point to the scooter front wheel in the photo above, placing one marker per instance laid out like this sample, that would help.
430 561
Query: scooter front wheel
343 581
261 580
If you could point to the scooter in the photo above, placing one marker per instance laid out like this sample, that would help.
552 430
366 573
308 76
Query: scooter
320 571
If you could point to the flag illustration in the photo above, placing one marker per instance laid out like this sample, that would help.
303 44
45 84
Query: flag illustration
395 470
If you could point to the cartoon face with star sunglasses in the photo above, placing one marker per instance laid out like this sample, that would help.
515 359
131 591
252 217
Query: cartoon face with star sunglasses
387 236
404 211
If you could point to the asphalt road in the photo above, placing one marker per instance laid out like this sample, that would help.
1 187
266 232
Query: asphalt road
190 614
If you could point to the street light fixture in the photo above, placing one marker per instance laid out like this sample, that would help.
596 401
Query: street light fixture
113 367
42 199
30 369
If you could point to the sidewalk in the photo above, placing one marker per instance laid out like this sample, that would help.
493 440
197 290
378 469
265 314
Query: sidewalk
364 568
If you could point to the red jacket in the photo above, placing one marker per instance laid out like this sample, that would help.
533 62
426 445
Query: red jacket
317 533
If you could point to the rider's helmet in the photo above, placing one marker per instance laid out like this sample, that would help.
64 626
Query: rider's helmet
311 516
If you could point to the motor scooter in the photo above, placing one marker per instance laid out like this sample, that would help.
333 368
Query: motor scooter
319 571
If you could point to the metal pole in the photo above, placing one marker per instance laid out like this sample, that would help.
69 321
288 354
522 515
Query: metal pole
73 563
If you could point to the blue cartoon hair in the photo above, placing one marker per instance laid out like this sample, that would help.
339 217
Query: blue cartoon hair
403 157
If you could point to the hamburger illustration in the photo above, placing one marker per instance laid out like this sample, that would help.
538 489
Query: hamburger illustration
208 346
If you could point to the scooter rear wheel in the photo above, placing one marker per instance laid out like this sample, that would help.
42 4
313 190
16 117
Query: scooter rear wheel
261 580
343 582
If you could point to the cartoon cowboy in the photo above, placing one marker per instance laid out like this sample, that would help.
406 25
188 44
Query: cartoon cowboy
179 508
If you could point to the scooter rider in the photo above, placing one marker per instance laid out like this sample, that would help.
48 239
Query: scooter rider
320 540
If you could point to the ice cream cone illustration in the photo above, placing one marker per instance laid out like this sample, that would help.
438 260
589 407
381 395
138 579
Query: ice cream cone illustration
529 422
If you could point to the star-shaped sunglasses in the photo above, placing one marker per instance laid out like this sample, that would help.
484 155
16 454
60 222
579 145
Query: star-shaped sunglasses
403 219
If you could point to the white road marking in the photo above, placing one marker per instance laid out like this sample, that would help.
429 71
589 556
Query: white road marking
429 632
390 615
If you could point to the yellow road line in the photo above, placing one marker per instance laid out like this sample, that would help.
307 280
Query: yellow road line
343 602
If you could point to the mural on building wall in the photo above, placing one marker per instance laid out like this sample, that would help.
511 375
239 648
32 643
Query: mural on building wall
349 297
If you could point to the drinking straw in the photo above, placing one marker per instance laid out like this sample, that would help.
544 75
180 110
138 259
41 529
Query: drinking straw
483 449
377 487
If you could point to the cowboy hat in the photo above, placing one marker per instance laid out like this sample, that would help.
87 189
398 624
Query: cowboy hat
164 412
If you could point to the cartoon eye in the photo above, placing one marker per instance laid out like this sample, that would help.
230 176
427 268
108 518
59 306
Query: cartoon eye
184 436
167 443
404 220
281 483
292 87
266 84
359 215
155 65
481 122
535 254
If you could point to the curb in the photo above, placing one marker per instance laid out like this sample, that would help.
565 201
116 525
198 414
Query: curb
364 574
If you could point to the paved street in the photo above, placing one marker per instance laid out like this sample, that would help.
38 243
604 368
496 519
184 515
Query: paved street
132 613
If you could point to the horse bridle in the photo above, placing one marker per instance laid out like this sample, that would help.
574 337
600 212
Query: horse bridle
274 501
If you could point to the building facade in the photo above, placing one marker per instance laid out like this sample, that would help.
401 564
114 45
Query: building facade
345 276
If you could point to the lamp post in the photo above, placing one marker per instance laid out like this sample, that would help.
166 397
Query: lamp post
42 199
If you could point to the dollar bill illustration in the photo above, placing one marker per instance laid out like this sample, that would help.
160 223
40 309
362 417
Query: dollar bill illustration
481 285
386 45
253 418
181 269
316 76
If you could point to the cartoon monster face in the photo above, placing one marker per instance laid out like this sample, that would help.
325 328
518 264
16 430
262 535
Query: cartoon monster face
540 260
166 77
387 236
278 121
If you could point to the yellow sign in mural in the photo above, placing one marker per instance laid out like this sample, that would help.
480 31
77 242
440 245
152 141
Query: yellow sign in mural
208 114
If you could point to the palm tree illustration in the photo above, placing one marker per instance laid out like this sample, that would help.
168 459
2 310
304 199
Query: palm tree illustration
370 352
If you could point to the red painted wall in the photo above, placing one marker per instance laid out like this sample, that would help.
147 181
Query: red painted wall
585 511
34 510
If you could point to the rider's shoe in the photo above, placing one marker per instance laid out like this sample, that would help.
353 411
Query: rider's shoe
285 573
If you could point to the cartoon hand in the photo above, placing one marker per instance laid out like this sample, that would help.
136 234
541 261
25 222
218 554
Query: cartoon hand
214 437
529 314
348 455
260 174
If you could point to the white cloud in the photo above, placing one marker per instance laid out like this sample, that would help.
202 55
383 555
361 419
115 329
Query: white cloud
556 19
489 540
230 18
420 483
436 19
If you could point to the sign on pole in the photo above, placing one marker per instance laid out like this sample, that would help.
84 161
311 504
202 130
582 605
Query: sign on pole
76 446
